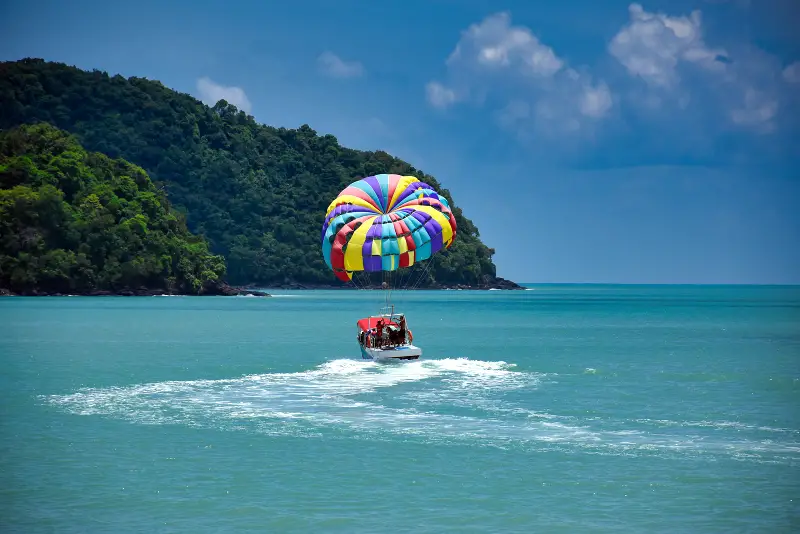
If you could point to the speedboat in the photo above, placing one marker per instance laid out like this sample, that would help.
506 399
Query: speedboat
386 337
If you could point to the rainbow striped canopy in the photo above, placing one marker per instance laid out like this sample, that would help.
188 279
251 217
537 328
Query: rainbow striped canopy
383 223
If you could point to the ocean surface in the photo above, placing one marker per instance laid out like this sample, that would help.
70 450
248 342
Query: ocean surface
558 409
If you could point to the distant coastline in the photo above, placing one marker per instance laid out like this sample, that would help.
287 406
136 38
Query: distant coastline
264 290
497 283
256 290
223 290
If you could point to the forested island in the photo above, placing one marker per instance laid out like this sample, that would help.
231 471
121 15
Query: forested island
74 222
118 184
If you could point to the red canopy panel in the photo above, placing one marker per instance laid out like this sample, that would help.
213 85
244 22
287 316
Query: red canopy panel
369 323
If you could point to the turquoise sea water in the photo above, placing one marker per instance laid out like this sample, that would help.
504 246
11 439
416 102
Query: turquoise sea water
561 409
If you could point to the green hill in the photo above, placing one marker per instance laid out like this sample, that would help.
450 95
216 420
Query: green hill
78 222
257 193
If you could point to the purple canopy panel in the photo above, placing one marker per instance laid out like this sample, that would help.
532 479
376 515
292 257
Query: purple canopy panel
436 243
372 263
433 227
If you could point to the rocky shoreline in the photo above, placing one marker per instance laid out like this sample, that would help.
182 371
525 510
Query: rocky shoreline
497 283
223 290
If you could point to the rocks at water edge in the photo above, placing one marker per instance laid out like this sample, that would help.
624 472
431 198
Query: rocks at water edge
494 283
223 290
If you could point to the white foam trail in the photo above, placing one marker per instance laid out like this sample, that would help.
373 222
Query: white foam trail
716 425
334 380
321 396
433 400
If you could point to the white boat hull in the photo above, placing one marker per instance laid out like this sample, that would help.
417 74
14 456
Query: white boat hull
400 352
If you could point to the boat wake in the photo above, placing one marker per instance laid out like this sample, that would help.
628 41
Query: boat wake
443 401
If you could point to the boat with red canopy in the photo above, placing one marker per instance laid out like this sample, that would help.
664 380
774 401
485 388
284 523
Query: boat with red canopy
386 337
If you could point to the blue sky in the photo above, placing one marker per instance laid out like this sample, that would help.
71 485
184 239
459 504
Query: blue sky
652 142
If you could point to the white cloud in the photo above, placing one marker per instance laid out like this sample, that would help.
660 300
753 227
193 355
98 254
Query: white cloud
438 95
671 89
596 101
496 60
758 111
652 45
494 43
212 92
334 66
792 73
730 88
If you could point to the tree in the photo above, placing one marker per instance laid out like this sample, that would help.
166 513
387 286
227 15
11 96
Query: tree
74 221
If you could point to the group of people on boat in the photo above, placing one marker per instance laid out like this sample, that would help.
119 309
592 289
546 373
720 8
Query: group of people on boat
385 335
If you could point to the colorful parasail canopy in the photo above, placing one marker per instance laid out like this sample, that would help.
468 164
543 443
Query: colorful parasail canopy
383 223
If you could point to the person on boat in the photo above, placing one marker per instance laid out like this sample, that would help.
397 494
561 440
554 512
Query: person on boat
402 335
379 329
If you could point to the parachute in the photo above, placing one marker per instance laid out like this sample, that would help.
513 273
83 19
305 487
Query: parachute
385 223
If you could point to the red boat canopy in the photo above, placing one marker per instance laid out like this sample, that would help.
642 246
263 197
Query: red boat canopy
369 323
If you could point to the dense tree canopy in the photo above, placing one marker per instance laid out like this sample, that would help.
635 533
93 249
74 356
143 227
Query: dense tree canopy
73 222
258 194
